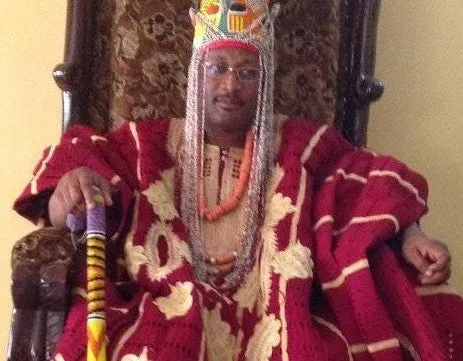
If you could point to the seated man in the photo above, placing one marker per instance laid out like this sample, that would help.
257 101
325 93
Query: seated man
248 236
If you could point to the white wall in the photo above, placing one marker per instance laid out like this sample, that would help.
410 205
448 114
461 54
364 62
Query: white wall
420 117
31 43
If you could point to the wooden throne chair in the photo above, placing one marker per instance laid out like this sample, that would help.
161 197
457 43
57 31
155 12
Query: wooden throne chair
128 59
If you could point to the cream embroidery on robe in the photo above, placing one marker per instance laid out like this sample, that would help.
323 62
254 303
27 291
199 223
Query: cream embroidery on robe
249 292
142 357
221 344
178 303
294 262
177 251
161 196
277 209
265 337
219 237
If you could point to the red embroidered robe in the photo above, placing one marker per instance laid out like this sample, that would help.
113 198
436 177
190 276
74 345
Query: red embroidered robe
325 283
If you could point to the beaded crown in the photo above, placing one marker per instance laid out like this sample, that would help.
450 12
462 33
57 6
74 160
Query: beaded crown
246 24
244 21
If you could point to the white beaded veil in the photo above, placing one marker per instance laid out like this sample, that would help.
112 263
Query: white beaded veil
259 35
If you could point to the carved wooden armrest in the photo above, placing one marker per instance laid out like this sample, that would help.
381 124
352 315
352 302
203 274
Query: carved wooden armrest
369 89
40 263
40 271
67 76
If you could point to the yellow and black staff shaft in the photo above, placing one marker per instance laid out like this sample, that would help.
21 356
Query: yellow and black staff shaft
96 320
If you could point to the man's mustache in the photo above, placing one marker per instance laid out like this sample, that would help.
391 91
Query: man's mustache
229 98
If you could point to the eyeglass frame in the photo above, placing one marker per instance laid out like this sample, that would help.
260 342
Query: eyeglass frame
231 69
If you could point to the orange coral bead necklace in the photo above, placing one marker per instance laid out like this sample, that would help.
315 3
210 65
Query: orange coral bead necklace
228 205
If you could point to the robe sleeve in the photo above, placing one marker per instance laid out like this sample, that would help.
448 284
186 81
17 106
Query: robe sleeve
79 146
358 190
354 189
362 200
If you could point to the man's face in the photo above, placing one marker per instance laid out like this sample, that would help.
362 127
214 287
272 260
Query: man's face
231 80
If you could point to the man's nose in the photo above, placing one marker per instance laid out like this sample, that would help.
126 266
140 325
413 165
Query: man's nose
230 81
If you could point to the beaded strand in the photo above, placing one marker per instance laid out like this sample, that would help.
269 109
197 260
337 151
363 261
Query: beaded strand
229 204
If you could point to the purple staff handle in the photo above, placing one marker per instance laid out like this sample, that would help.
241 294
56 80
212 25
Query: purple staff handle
96 238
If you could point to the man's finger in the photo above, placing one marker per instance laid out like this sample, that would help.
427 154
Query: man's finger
419 261
105 188
80 207
60 203
441 262
73 197
436 277
79 210
86 186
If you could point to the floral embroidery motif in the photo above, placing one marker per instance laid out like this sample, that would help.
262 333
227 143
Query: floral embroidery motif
248 294
165 71
277 209
131 357
220 343
158 28
307 49
177 251
143 111
178 303
120 9
168 178
294 262
266 336
160 195
129 43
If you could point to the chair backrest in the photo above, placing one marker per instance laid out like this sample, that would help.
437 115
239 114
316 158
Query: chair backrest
128 59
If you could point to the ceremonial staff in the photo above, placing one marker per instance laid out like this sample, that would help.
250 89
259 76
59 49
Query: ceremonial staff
96 237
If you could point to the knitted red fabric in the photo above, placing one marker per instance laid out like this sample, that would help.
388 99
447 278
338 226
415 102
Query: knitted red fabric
330 211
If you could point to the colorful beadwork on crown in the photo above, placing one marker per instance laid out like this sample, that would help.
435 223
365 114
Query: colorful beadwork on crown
242 20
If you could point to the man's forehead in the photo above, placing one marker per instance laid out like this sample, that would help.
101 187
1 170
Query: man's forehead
230 54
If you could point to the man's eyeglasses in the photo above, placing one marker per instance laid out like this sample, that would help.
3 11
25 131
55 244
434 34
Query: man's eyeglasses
245 74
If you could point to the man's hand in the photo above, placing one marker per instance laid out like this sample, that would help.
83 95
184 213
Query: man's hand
430 257
74 194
